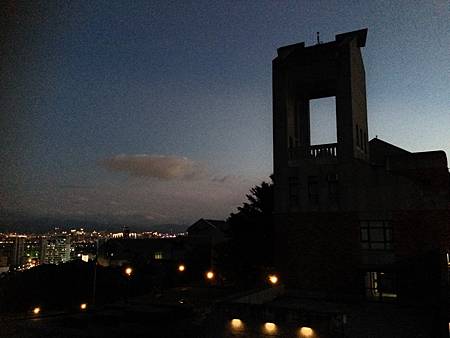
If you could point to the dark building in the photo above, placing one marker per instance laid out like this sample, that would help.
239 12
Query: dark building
209 230
355 219
12 250
123 251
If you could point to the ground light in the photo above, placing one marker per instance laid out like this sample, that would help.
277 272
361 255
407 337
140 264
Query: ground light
236 325
273 279
36 310
181 268
210 275
305 332
270 328
83 306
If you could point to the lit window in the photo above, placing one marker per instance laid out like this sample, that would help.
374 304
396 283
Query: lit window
380 285
158 255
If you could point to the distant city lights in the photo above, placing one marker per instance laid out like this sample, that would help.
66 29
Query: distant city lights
22 252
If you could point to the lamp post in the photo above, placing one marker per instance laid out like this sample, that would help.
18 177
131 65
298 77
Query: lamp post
128 272
209 275
273 279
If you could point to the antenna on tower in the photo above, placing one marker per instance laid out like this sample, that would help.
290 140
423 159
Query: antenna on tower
318 38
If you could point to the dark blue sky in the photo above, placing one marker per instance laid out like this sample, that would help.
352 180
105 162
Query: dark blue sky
161 110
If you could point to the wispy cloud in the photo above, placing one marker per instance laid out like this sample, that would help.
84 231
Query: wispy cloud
157 166
75 186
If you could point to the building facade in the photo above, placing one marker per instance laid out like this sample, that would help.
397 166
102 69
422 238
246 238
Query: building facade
355 219
55 249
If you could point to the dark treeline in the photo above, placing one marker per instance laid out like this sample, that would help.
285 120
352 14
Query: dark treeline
66 286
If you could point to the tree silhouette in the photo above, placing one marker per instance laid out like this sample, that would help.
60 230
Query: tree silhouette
249 253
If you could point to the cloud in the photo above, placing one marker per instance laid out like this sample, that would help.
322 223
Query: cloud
75 186
157 166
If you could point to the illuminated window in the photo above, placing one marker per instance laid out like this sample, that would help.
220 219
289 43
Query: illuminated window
158 255
376 235
380 285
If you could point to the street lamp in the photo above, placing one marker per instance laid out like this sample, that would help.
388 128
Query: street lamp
273 279
36 310
128 271
181 268
210 275
83 306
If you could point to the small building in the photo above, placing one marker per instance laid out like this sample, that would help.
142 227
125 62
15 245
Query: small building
117 252
209 230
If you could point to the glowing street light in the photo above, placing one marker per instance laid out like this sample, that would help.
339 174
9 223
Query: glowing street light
210 275
273 279
83 306
128 271
181 268
36 310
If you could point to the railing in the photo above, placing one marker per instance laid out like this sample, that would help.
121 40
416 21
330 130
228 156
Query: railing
323 150
319 151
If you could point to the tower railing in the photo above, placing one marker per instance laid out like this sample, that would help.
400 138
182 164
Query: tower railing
318 151
323 150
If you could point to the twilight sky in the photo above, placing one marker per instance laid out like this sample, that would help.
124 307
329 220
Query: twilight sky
160 111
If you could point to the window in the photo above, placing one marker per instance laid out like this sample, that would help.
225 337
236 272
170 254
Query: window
313 189
158 255
332 186
293 186
380 285
376 235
